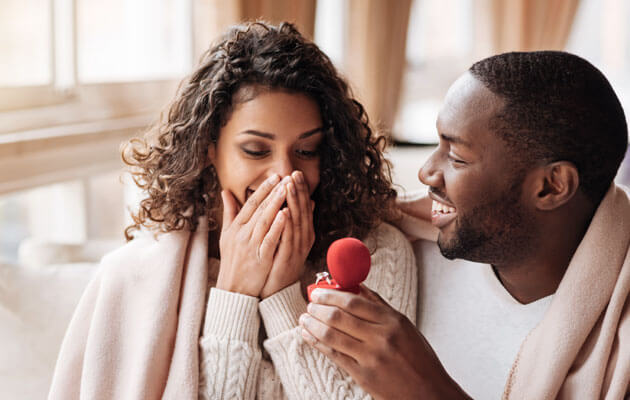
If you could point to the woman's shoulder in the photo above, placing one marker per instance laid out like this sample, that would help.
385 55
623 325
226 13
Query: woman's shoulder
387 237
144 254
393 274
392 254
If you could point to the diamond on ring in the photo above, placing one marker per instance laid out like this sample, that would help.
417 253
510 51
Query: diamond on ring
321 276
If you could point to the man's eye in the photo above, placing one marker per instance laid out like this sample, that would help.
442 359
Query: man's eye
456 160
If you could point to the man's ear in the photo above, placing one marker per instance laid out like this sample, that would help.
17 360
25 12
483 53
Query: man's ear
555 184
212 150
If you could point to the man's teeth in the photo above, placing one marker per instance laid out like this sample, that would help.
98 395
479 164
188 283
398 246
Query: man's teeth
438 207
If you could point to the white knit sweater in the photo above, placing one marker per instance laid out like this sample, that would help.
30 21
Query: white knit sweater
231 362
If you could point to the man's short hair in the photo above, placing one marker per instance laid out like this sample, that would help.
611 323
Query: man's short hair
558 107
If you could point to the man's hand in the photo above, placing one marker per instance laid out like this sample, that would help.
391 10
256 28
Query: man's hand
378 346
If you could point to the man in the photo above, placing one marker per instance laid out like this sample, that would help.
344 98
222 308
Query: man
521 183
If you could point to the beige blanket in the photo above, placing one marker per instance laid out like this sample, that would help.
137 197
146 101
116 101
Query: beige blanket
122 345
581 348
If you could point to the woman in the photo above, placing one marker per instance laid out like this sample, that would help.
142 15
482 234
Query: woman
263 159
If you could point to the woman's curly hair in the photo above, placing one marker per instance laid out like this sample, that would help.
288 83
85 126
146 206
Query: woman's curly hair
170 163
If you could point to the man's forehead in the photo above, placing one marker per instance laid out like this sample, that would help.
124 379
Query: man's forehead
467 109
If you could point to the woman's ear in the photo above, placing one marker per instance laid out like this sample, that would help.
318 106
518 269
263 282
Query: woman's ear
212 149
556 184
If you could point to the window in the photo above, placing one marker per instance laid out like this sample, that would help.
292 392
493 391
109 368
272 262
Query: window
80 77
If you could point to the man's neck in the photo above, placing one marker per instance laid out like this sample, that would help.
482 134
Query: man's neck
539 274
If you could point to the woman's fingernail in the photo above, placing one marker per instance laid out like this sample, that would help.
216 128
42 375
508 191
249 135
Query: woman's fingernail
303 319
315 294
306 335
273 179
309 308
281 191
299 177
292 188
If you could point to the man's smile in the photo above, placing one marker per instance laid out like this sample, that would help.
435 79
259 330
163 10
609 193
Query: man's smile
441 214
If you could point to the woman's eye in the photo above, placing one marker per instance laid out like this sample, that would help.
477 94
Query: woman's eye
254 152
307 153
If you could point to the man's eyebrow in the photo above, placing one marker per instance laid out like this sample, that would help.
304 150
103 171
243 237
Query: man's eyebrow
455 140
271 136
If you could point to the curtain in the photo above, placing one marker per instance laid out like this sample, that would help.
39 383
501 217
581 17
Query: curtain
375 55
523 25
213 17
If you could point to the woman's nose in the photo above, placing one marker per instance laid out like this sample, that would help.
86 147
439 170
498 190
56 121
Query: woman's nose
283 166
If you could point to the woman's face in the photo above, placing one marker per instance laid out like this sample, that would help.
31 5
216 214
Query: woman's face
276 132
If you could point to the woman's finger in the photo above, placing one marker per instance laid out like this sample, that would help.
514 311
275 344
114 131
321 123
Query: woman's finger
256 199
294 208
306 215
285 248
271 240
230 209
262 219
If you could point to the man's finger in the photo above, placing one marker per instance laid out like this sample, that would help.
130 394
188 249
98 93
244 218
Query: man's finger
359 306
344 361
331 337
342 321
371 295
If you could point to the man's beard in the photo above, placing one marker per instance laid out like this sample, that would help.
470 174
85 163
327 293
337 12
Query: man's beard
492 233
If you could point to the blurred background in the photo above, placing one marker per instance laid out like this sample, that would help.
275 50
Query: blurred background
78 77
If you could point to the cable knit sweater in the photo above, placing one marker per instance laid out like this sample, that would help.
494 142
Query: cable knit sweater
231 361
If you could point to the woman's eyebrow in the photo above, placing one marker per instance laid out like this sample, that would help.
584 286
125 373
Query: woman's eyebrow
311 132
271 136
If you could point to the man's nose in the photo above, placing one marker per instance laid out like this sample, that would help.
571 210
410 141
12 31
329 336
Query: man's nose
430 173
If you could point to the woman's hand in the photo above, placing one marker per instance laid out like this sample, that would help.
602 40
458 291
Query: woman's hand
297 239
414 216
250 237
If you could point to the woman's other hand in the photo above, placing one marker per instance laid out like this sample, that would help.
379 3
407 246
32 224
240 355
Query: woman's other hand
414 216
297 239
250 237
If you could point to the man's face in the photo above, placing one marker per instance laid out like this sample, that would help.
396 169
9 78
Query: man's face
474 180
